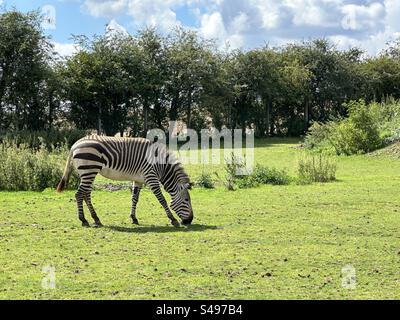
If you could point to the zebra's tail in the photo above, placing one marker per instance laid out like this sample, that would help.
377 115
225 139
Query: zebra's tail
65 177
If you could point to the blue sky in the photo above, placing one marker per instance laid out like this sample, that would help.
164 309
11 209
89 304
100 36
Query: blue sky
368 24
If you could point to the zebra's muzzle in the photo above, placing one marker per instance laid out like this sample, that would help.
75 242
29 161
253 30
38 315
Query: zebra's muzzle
187 221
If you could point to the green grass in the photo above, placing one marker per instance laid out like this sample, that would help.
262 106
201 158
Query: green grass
270 242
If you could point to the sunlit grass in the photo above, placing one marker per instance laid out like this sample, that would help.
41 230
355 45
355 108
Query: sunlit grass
264 243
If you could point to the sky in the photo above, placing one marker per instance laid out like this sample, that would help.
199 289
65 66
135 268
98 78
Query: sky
245 24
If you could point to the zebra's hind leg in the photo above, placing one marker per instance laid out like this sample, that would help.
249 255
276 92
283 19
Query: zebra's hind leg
135 198
85 187
79 196
89 204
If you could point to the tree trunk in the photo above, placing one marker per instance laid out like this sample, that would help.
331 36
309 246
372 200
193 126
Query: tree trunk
17 122
2 89
99 124
145 119
268 107
2 93
271 120
306 116
189 110
173 113
51 109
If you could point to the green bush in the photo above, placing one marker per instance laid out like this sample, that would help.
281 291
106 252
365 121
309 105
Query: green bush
23 169
263 175
236 177
233 166
359 133
318 136
388 114
205 181
316 168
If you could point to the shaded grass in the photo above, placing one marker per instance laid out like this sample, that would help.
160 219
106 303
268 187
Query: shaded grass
268 242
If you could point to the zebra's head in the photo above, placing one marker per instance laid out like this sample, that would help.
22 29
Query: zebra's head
181 204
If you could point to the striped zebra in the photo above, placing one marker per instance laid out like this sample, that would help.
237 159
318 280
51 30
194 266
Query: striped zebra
129 159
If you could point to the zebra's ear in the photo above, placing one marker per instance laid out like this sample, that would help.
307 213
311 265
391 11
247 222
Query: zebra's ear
188 186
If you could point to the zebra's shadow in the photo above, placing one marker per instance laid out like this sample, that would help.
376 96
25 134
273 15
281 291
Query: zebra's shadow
162 229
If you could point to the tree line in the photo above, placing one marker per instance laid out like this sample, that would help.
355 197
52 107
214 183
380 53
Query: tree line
118 83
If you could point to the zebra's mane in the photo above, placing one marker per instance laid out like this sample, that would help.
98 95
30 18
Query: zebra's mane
178 168
181 173
176 165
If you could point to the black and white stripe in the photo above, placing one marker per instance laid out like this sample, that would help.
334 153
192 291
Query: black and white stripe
132 159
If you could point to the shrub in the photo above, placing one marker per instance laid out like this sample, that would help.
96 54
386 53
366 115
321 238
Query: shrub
359 133
236 176
233 167
205 181
22 169
316 168
388 114
318 135
263 175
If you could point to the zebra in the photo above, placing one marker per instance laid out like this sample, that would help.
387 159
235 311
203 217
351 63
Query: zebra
129 159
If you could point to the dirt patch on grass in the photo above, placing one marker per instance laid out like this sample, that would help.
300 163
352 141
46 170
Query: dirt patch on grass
112 187
391 150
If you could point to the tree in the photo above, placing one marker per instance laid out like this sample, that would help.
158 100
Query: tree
25 54
294 95
152 76
189 68
117 82
100 83
333 77
382 77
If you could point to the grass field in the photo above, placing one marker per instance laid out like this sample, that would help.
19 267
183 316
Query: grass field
270 242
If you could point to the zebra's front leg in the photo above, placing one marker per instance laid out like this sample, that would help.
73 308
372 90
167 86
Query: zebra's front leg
155 188
135 198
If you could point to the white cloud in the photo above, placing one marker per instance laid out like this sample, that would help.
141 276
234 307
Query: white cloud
104 8
65 49
212 26
155 13
313 13
359 17
269 11
249 23
114 27
374 41
240 22
235 41
373 44
392 19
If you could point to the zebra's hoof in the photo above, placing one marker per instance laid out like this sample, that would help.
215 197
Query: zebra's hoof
175 223
135 221
98 224
85 224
